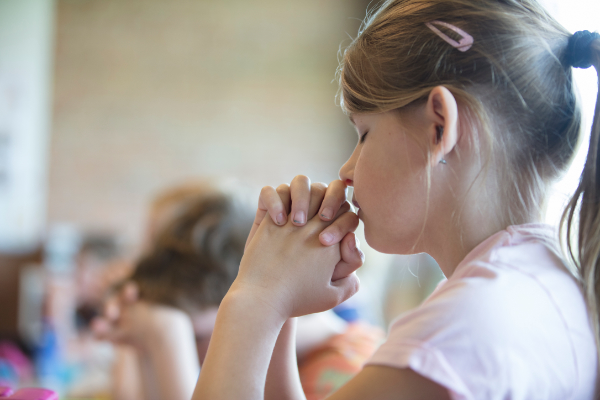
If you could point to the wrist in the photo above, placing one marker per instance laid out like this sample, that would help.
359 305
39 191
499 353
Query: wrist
257 304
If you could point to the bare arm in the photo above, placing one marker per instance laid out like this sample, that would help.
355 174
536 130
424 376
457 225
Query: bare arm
283 381
239 362
240 349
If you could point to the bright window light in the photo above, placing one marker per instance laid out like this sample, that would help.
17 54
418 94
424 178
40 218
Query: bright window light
575 15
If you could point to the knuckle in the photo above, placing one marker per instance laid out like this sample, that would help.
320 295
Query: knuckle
356 284
283 188
301 179
265 190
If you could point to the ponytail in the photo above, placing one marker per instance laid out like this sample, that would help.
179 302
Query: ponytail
584 246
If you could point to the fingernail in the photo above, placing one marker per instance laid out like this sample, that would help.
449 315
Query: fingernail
327 237
280 219
327 213
299 217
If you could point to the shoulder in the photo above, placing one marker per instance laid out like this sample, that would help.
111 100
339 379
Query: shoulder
510 314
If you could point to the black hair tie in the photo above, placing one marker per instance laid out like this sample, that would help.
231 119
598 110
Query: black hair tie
579 49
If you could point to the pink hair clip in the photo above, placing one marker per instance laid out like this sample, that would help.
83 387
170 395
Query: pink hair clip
465 42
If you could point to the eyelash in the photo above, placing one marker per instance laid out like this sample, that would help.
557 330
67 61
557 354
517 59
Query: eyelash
362 138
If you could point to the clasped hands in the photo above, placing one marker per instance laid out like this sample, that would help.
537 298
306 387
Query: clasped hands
302 258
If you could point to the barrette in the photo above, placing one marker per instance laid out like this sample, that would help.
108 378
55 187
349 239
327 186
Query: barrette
465 42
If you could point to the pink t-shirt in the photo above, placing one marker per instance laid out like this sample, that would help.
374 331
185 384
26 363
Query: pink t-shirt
510 323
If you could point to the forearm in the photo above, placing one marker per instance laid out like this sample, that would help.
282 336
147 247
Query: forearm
283 381
239 353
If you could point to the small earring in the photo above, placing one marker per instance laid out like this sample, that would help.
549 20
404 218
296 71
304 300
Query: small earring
442 161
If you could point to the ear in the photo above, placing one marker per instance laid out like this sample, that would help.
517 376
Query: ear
441 112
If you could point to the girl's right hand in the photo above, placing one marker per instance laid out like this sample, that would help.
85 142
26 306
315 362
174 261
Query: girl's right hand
305 200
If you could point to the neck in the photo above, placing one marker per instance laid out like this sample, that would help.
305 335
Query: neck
456 233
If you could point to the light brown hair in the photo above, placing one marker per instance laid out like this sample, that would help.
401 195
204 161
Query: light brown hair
516 83
194 256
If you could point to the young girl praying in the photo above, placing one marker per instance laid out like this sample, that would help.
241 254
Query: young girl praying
466 113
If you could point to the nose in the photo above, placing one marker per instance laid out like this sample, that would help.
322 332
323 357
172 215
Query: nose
347 170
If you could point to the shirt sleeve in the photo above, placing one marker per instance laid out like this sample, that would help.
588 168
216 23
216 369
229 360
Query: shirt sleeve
419 339
486 336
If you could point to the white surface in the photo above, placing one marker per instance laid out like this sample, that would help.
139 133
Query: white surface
26 47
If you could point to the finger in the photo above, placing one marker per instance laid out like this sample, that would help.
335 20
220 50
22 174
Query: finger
300 192
352 257
346 287
334 198
334 233
317 193
285 196
268 202
259 217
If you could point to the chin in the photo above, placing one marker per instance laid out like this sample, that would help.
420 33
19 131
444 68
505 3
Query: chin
388 243
380 242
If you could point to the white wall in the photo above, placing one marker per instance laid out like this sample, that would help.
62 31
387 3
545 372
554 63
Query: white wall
26 48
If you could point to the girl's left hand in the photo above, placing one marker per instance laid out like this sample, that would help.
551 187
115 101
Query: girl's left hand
287 268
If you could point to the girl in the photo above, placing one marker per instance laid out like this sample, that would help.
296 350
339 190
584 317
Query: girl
465 112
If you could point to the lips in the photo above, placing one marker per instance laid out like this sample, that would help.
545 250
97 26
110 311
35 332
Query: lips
355 202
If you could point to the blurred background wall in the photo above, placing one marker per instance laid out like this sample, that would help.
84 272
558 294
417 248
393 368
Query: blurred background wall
152 92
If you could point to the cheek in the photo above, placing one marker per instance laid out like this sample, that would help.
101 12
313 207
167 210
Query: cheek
391 190
376 188
371 178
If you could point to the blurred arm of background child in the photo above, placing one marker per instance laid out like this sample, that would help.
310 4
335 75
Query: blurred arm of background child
162 337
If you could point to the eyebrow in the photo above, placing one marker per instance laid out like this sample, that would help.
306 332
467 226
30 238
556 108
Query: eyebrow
351 118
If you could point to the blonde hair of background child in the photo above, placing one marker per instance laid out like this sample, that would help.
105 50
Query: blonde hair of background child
514 85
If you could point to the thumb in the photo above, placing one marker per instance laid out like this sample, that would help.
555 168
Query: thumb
346 287
352 257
